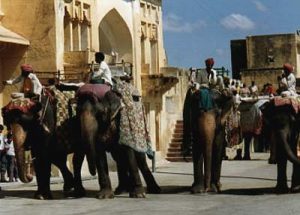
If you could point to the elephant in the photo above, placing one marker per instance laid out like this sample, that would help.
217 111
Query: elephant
283 124
99 116
208 138
33 127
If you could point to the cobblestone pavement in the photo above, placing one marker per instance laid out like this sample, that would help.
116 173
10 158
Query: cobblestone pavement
247 189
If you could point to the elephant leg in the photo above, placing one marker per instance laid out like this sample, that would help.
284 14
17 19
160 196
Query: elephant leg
272 159
208 166
295 186
248 138
198 184
79 190
122 170
138 190
61 163
42 168
103 176
152 186
281 186
217 161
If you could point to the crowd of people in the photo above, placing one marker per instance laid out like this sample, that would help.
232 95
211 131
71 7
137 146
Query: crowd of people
8 168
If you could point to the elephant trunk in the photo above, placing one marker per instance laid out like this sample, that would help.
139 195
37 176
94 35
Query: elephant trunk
88 134
292 157
19 137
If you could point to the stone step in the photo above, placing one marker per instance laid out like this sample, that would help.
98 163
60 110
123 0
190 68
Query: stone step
178 131
174 144
174 149
174 154
179 126
178 135
179 159
177 139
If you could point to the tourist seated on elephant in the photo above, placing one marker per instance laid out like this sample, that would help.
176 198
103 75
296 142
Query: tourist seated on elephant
103 74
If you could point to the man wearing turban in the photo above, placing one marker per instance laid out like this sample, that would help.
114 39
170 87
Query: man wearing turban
288 80
207 77
30 84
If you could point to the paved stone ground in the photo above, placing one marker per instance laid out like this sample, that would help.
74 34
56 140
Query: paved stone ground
247 190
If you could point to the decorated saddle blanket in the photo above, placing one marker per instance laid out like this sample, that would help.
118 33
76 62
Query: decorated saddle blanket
294 102
63 111
251 116
60 100
233 129
94 91
133 126
22 104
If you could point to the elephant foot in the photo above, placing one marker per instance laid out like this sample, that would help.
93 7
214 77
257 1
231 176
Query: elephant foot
105 194
68 187
138 192
120 190
76 193
272 161
295 189
215 188
41 196
281 189
247 158
154 190
198 189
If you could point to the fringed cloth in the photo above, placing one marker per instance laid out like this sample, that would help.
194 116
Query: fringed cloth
251 117
22 104
133 126
60 100
294 102
63 110
233 129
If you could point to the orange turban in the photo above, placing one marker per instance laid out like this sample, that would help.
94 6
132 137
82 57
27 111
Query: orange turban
209 62
26 68
288 67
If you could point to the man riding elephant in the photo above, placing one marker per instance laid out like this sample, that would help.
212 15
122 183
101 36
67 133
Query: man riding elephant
30 84
209 108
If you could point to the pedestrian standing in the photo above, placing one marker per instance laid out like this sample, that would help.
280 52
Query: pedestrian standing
2 156
10 157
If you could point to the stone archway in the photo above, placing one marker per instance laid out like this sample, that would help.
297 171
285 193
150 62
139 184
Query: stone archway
115 37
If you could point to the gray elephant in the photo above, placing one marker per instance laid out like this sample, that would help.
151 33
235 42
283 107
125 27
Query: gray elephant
98 110
208 134
282 118
37 132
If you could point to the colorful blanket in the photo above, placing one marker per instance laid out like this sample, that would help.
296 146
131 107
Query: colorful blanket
233 129
251 116
22 104
133 126
292 101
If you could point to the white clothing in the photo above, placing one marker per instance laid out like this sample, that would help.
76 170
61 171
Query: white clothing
103 73
290 83
37 86
1 142
10 149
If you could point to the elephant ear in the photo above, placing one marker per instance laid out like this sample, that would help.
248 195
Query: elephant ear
36 108
114 103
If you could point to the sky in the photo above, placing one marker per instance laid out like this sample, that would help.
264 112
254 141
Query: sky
197 29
